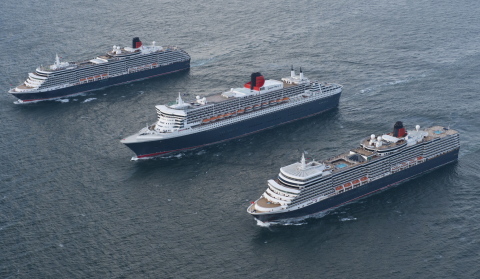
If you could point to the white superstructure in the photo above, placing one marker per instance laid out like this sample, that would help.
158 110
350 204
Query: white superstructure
302 184
237 104
119 61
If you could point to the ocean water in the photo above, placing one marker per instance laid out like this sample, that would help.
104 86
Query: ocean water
73 205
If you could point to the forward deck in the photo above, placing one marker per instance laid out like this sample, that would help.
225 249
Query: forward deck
263 205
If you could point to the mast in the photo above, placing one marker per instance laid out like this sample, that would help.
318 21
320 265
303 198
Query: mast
302 161
57 60
179 100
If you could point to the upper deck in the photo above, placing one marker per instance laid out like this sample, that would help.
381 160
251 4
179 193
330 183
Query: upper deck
116 54
243 92
218 101
259 93
367 152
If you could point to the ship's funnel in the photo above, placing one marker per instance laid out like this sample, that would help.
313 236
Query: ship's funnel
136 43
256 81
399 130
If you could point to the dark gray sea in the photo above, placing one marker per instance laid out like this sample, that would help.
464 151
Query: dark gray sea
73 204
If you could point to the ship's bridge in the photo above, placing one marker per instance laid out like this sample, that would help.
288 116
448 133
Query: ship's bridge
170 111
302 172
172 117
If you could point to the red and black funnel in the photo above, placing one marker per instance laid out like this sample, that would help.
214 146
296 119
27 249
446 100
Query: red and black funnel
256 81
136 43
399 130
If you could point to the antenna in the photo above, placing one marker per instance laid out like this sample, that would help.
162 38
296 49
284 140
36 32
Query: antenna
302 161
179 100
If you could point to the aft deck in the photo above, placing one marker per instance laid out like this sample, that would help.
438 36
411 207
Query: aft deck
438 132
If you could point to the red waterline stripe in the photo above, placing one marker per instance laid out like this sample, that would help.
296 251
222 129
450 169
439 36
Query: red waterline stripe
244 135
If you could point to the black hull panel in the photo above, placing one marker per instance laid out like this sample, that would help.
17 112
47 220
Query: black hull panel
91 86
363 191
234 130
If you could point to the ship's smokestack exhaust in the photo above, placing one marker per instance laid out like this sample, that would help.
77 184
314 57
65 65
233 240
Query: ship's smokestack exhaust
253 80
399 130
136 43
256 81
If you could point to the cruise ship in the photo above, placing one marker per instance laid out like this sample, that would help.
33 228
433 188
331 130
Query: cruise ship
260 104
306 188
118 66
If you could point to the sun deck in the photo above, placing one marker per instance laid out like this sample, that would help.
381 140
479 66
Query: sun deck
386 145
263 202
342 161
218 97
438 132
263 205
363 151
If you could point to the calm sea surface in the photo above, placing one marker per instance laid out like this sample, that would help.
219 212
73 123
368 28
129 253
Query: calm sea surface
73 205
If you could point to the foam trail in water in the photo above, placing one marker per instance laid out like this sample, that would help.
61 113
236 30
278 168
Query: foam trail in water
89 100
348 219
292 221
202 62
390 83
263 224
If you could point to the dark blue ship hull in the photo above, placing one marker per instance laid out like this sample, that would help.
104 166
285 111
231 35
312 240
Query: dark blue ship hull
235 130
95 85
365 190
